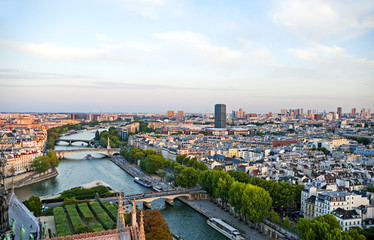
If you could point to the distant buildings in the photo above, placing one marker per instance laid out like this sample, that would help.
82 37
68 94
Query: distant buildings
220 116
340 111
170 114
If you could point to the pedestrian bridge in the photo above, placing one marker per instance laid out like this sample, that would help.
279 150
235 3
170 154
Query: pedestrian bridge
169 196
70 141
106 151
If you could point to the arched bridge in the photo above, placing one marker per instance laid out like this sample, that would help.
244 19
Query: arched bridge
169 196
70 141
106 151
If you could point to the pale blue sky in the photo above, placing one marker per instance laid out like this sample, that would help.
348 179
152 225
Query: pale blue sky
158 55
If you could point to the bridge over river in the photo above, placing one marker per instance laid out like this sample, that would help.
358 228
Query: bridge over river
106 151
70 141
169 196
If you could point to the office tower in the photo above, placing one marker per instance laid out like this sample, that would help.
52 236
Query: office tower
241 113
233 115
220 116
363 112
340 111
353 113
369 113
301 112
170 114
180 114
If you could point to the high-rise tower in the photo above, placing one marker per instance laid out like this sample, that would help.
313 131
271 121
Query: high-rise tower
220 116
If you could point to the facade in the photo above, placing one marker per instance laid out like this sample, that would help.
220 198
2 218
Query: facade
220 116
348 219
327 202
170 114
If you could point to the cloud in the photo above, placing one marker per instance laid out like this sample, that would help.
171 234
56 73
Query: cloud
327 55
200 46
152 9
115 86
11 74
123 52
103 38
49 50
317 19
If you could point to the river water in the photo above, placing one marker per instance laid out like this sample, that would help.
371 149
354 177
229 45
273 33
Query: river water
75 170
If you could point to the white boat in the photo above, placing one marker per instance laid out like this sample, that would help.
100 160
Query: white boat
225 229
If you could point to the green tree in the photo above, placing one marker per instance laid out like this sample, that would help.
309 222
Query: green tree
153 163
286 223
324 227
34 205
161 173
40 164
53 159
236 195
188 177
97 135
256 203
223 188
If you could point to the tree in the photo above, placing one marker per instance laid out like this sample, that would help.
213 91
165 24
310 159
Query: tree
223 188
53 159
40 164
34 205
286 223
153 163
275 217
239 176
324 227
97 135
188 177
256 203
161 173
236 194
155 226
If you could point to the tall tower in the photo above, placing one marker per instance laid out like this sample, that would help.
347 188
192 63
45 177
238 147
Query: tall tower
4 221
108 146
220 116
120 216
340 111
141 227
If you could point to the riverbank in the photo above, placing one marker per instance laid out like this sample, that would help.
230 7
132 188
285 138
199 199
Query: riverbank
29 178
136 172
211 210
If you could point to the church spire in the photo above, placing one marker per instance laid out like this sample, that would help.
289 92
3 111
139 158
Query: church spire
141 227
108 146
120 217
133 216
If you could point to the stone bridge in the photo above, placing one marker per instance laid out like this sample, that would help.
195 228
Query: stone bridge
169 196
70 141
106 151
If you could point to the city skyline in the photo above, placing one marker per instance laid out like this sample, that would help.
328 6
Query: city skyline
156 55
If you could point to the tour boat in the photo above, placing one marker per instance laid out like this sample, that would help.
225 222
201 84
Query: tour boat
225 229
142 182
157 189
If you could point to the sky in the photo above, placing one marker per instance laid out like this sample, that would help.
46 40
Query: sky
159 55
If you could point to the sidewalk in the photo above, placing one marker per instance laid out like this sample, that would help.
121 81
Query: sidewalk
211 210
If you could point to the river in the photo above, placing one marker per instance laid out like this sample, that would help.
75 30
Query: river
75 170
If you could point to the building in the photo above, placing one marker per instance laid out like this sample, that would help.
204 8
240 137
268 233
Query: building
170 114
340 111
348 219
220 116
180 114
353 113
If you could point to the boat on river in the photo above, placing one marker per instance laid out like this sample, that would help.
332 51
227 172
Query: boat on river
157 188
222 227
143 182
